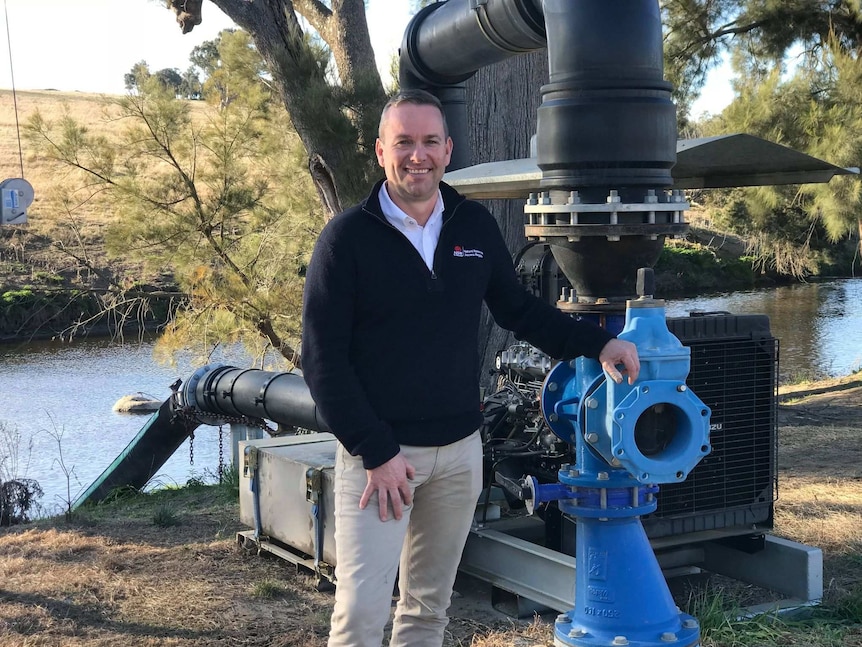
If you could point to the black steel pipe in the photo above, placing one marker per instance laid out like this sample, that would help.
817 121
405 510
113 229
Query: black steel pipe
447 42
606 119
229 391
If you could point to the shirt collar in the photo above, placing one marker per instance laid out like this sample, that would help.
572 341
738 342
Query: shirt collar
399 219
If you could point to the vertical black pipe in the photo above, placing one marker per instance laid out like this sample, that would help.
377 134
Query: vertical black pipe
447 42
606 118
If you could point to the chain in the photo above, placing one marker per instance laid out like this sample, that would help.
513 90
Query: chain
220 453
192 418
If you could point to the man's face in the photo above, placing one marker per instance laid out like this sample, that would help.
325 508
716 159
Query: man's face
414 150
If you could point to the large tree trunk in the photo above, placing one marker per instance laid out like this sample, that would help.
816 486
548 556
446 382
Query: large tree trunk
318 110
502 100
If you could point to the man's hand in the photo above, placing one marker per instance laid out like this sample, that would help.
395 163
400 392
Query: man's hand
390 482
619 351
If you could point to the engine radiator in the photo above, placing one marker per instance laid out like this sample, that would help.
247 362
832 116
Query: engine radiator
734 370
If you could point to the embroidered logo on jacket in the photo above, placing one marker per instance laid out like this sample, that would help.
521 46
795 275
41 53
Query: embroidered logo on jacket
460 252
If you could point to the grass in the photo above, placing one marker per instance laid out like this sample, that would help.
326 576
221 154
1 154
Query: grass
164 516
268 589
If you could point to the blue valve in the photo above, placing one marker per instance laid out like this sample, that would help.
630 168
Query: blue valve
628 438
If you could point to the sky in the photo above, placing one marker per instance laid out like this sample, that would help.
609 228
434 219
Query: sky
89 45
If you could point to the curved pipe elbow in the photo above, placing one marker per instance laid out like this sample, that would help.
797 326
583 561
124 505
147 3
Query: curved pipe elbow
447 42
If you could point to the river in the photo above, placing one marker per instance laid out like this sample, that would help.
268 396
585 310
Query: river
818 325
58 397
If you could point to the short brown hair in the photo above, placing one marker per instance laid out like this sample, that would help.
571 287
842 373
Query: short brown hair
416 98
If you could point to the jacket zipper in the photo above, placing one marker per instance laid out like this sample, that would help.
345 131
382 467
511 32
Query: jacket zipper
385 222
437 248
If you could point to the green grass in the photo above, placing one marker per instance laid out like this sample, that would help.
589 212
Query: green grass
724 624
268 590
164 516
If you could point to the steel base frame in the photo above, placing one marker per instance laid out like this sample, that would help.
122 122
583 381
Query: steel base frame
508 554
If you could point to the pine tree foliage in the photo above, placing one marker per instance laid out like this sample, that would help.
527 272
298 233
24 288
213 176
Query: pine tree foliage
797 82
220 197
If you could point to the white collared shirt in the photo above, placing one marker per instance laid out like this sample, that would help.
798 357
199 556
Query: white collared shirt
424 239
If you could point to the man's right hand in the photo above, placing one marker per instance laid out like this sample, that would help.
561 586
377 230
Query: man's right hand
390 482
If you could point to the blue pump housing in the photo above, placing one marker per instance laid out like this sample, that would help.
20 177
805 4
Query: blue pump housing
657 429
628 439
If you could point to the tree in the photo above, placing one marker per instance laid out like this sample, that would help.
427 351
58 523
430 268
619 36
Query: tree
191 87
813 107
139 73
336 122
170 78
217 197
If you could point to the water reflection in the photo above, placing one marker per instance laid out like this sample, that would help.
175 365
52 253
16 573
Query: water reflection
59 397
818 325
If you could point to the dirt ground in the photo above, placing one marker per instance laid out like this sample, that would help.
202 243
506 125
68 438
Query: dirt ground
110 579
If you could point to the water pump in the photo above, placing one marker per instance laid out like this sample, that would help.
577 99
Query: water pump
628 439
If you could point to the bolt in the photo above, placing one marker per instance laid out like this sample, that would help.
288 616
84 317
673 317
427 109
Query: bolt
691 623
603 476
576 633
668 637
615 462
563 618
592 403
620 640
574 473
553 417
552 386
682 388
592 437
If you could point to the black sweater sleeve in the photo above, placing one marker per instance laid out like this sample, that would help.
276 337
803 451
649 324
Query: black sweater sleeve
329 299
533 320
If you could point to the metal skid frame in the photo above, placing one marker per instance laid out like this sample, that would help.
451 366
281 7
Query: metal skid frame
509 555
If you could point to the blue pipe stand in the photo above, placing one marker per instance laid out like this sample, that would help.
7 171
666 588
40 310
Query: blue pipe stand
628 439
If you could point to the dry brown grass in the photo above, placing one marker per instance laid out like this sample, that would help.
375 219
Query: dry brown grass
27 252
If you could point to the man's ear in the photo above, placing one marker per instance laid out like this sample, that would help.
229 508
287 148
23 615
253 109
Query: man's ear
378 150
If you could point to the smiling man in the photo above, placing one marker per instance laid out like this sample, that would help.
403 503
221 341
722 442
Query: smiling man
393 300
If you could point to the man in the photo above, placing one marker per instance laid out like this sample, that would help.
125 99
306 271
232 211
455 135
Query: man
393 299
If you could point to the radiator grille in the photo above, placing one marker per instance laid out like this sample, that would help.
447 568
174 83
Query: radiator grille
734 370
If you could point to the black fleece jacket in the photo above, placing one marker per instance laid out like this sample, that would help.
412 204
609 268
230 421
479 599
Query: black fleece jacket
390 348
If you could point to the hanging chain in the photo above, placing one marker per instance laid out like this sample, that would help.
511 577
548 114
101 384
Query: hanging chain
220 453
192 418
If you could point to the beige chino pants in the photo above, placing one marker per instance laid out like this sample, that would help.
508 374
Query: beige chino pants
426 543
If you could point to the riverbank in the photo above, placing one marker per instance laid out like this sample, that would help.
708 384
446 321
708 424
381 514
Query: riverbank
47 293
165 568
